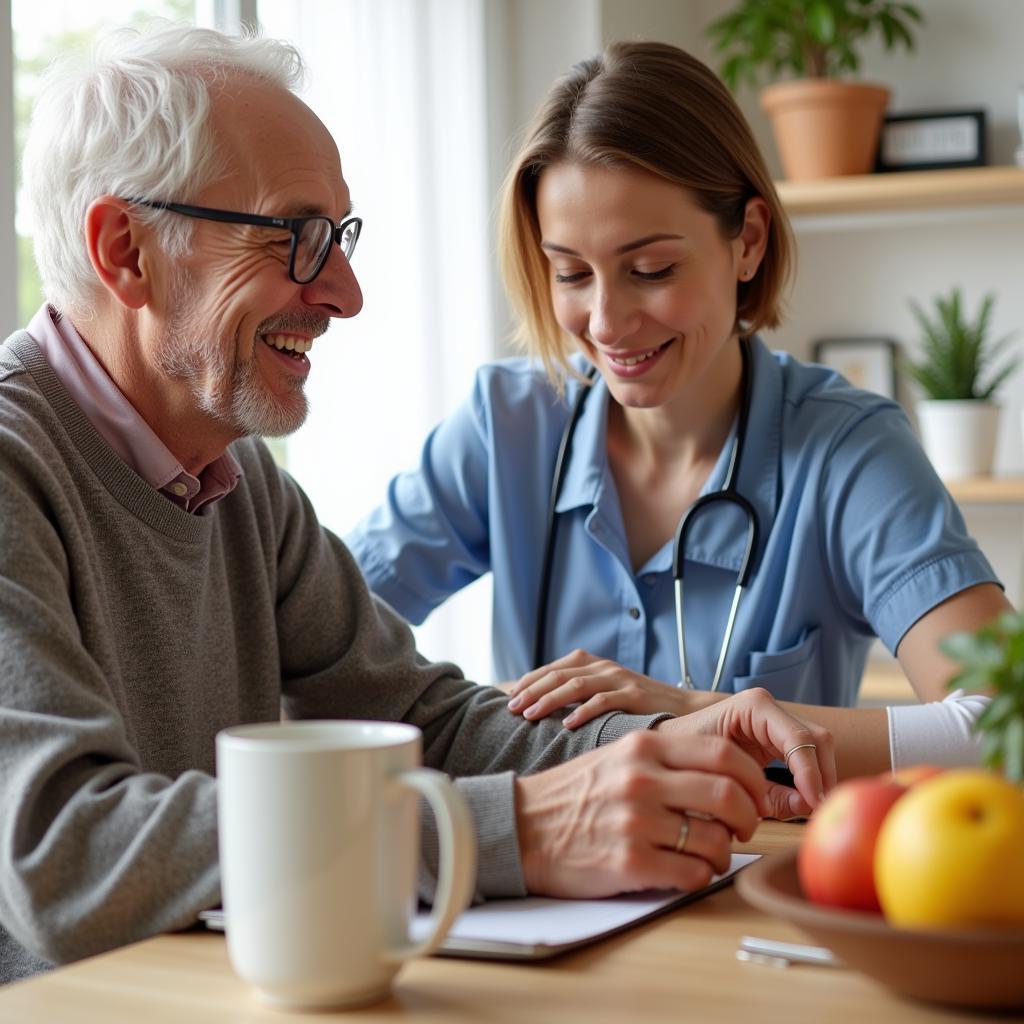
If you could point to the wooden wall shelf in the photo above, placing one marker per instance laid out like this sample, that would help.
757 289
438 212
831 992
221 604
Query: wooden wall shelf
990 490
884 683
904 190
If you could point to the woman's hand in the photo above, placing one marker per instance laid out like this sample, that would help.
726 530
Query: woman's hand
598 686
766 731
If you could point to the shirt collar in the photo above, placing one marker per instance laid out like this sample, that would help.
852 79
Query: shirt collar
119 423
718 537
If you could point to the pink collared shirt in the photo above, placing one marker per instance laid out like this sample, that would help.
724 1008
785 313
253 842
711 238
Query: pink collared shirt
119 423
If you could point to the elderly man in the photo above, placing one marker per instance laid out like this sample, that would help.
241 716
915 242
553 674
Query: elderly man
161 579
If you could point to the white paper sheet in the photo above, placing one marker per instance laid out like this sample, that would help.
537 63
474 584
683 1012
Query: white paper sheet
537 927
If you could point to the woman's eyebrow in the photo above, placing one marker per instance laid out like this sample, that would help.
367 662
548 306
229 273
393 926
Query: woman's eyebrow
622 249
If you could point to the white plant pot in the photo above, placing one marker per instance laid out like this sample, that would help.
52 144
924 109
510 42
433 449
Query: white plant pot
959 436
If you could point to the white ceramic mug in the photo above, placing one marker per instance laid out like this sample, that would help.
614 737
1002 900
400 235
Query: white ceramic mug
319 844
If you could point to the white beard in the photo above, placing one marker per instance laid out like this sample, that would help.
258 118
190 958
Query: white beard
230 393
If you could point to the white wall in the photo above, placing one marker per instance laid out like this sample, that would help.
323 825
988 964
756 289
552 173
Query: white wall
8 250
669 21
528 43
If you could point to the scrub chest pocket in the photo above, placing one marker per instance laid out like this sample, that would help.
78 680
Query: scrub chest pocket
793 674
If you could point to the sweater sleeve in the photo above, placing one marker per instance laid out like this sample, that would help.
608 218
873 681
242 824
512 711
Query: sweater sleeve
361 662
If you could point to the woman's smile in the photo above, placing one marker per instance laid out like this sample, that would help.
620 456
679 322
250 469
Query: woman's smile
635 363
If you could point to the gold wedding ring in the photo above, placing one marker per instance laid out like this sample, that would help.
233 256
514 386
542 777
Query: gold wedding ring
684 834
800 746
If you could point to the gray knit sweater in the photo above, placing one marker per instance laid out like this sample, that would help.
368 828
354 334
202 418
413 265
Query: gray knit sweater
131 632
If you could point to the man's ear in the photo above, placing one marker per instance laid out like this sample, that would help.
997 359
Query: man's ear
118 245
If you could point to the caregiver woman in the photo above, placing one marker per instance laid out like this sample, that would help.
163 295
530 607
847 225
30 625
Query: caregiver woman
641 235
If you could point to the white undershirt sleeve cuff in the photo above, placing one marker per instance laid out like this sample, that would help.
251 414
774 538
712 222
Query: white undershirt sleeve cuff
939 733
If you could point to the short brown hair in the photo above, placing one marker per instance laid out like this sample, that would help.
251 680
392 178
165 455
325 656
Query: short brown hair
651 106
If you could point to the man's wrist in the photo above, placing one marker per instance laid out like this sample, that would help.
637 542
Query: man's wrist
531 853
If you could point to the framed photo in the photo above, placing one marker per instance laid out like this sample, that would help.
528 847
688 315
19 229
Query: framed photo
868 363
931 140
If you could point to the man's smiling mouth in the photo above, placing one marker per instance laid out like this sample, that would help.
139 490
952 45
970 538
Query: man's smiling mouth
288 344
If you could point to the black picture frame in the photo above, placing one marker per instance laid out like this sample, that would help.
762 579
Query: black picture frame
932 140
867 362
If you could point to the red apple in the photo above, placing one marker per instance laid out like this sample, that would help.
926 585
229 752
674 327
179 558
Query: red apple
835 862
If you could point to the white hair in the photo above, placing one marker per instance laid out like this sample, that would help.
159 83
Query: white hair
131 120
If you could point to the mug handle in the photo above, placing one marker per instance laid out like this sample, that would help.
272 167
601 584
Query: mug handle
457 857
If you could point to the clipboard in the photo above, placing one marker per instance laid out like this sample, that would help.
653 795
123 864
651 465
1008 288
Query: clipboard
540 927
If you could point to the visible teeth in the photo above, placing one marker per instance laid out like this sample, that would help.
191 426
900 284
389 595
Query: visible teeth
633 360
288 343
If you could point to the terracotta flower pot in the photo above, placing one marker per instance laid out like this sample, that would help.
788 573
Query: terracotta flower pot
824 127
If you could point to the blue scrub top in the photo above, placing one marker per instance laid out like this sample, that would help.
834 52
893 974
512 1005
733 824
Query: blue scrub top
858 537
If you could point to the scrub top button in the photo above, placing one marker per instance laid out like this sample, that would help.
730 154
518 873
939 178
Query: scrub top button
634 613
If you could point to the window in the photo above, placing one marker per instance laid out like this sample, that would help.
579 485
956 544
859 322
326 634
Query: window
35 44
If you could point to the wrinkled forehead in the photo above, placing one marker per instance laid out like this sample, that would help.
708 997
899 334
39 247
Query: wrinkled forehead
274 147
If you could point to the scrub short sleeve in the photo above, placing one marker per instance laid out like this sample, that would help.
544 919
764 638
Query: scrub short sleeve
895 541
429 537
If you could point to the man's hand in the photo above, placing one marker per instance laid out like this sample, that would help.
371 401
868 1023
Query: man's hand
766 731
609 821
598 686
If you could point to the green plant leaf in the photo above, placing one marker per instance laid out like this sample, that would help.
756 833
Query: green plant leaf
991 752
1013 750
991 659
762 39
975 649
821 22
1003 707
956 354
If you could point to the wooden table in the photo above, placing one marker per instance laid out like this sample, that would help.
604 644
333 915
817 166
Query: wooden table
679 968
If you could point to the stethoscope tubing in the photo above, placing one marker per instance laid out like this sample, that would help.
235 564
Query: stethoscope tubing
561 466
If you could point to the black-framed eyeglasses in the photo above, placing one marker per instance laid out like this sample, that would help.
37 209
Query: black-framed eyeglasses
312 236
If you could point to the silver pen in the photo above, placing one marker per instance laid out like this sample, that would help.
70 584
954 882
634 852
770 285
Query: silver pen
782 954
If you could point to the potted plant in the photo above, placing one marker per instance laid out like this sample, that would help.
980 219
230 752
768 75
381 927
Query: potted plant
959 418
992 659
823 125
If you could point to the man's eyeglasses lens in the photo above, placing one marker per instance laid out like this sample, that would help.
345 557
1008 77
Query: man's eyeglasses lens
313 244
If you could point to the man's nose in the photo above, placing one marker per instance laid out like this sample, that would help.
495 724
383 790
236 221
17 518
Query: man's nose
335 290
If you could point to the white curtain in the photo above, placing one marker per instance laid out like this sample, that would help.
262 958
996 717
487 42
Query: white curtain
400 85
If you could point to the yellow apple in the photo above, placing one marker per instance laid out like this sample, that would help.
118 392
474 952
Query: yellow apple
950 853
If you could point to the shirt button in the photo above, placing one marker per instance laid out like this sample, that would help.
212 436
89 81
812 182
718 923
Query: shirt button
179 489
650 579
634 613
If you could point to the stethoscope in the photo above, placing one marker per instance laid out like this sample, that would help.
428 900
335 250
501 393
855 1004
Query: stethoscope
728 494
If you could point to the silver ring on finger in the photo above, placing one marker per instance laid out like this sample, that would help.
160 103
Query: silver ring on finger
800 746
684 834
